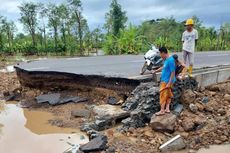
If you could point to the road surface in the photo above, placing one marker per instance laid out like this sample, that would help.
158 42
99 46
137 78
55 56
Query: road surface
117 66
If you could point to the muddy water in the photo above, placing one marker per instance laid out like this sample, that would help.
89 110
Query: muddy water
24 131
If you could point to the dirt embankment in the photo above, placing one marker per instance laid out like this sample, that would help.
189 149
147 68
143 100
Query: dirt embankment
205 122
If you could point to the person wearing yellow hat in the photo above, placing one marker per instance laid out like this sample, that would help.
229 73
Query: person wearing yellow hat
189 39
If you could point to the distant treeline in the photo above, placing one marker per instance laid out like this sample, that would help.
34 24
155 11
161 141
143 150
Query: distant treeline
63 30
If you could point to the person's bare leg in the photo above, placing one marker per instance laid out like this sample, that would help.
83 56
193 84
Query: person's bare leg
167 109
162 111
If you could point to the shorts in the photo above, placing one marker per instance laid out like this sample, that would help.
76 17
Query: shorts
165 94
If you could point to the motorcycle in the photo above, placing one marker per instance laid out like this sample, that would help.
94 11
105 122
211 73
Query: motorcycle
152 60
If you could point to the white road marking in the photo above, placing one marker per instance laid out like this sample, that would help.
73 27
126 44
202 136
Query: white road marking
38 68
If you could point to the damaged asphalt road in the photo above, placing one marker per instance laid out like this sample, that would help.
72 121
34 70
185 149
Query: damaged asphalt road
200 116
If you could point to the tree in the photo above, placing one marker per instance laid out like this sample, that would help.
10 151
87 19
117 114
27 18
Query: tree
43 13
115 18
54 21
28 13
9 28
64 18
76 6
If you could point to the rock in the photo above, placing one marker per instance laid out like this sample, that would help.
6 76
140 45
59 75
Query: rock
111 150
56 99
223 138
205 100
174 144
188 125
200 106
213 88
112 101
188 96
193 108
217 141
165 123
228 120
80 113
221 111
97 144
178 109
227 97
107 115
109 111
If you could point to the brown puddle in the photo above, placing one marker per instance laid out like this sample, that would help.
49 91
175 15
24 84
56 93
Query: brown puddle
24 131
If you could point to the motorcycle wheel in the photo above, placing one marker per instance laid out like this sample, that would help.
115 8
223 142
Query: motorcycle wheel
144 68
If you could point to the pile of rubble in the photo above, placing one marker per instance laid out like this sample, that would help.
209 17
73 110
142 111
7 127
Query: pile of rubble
144 102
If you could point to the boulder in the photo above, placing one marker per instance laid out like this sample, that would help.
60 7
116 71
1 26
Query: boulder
97 144
165 123
188 96
174 144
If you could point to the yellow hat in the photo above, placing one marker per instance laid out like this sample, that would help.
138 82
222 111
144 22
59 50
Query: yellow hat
189 22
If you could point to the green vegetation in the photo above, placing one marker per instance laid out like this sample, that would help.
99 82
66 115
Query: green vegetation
62 30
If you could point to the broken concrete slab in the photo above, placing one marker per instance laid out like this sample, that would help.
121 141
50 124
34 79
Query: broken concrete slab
52 99
107 116
165 123
174 144
80 113
109 111
97 144
56 99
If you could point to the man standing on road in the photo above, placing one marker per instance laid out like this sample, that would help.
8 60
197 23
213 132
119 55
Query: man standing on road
189 39
167 80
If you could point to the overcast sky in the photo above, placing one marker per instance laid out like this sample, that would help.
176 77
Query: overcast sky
211 12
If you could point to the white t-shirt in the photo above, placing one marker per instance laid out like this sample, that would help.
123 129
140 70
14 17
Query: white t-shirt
189 40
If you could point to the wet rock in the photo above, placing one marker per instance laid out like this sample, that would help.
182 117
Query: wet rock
188 97
97 144
56 99
205 100
165 123
193 108
80 113
112 101
188 125
178 109
174 144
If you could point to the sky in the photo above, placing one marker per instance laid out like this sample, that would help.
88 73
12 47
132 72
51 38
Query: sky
213 13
